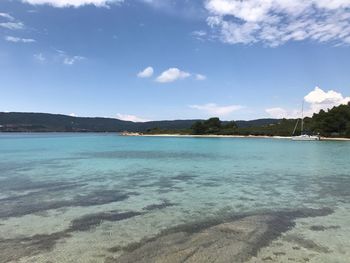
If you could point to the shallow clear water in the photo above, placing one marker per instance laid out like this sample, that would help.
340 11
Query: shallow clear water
62 185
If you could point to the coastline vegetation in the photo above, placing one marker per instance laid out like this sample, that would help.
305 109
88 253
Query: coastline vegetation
332 123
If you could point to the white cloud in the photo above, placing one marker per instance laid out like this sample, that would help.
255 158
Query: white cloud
276 112
199 34
320 99
275 22
280 113
214 109
12 25
187 9
73 115
128 117
73 3
146 73
19 40
316 100
40 57
60 57
200 77
171 75
72 60
7 16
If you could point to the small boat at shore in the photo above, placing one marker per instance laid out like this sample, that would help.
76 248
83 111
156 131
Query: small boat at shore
306 137
303 136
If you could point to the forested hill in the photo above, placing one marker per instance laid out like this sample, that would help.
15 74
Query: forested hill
334 122
45 122
256 123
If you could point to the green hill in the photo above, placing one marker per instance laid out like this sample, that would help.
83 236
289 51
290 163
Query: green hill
45 122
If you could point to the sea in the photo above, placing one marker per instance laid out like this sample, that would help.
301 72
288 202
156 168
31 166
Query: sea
102 197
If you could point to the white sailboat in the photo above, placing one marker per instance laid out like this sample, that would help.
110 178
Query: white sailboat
303 136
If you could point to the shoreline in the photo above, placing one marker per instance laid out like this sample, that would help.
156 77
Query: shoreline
226 136
138 134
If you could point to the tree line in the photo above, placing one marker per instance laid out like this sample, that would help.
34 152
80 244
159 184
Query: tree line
334 122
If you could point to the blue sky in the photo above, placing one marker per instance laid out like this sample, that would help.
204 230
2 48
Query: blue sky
202 58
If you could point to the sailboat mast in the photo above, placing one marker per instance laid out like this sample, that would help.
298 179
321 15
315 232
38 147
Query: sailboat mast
295 128
302 117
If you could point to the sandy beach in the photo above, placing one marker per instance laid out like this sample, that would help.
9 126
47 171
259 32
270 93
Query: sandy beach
226 136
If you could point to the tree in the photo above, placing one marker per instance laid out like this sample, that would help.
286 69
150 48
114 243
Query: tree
347 132
213 123
230 125
198 127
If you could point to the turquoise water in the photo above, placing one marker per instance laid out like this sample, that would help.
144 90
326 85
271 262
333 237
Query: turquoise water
61 186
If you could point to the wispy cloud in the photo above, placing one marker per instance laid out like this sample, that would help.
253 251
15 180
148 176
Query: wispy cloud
10 22
67 59
59 56
74 3
280 113
19 40
171 75
316 100
185 9
12 25
71 60
200 77
199 34
133 118
215 110
146 73
7 16
40 57
275 22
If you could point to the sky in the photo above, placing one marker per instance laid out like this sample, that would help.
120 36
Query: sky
145 60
